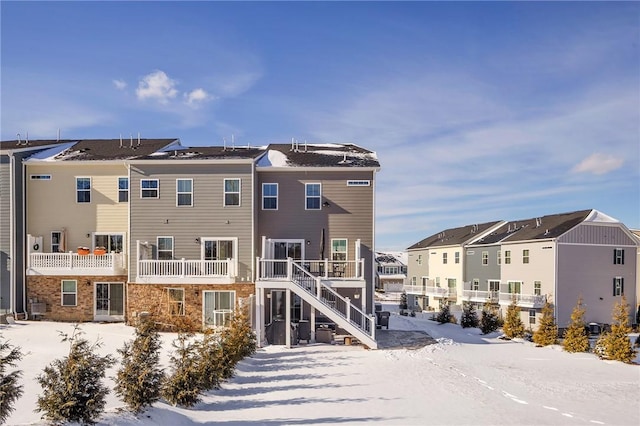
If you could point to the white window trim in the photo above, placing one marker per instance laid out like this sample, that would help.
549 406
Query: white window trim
507 256
223 311
123 190
235 248
445 258
526 256
224 193
178 193
456 258
306 197
271 196
157 189
618 287
537 285
84 190
121 234
59 237
485 258
63 293
346 252
173 247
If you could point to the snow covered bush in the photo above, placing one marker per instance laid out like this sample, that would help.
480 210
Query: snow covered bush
489 319
211 360
10 390
444 316
469 317
72 386
576 338
139 379
615 344
547 332
513 326
238 340
183 386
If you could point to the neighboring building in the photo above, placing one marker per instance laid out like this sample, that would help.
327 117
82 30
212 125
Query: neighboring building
12 221
77 196
316 236
391 271
443 254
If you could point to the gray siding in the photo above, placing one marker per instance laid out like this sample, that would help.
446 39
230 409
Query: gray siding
587 233
349 214
588 271
208 217
5 237
474 269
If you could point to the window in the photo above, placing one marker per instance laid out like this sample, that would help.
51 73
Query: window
507 257
618 286
525 256
40 177
165 248
219 307
312 196
494 286
451 283
413 281
537 288
499 253
338 249
419 259
437 281
176 301
218 249
269 196
476 284
56 239
232 192
123 190
532 316
618 256
515 287
456 257
83 190
184 192
485 257
69 292
358 183
111 242
149 188
444 258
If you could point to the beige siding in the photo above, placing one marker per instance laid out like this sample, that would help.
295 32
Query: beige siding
417 265
541 266
52 204
207 218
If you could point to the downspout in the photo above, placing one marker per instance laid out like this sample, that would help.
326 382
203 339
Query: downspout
24 233
127 255
12 245
373 248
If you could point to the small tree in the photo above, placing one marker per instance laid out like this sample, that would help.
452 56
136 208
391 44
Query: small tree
10 390
469 317
139 380
211 360
183 386
238 341
576 338
616 343
513 326
444 316
489 319
72 386
403 302
547 332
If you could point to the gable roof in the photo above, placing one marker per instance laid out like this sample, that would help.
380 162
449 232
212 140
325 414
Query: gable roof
105 149
28 145
545 227
318 155
455 236
204 153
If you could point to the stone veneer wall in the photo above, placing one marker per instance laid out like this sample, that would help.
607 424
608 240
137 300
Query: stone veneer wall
152 298
48 289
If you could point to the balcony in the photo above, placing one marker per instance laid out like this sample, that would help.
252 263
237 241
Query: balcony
523 300
414 289
76 264
441 292
339 273
481 296
186 271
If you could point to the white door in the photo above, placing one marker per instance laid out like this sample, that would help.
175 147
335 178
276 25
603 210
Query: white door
109 302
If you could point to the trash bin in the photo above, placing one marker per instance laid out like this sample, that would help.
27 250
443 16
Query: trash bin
383 318
304 330
594 328
324 335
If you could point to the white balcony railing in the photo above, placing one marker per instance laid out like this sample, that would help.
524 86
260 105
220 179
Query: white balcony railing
325 269
414 289
480 295
179 268
440 292
522 300
73 263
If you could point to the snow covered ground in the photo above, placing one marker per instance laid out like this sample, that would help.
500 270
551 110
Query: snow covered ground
465 378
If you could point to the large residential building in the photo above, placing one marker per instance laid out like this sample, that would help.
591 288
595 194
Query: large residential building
560 257
119 228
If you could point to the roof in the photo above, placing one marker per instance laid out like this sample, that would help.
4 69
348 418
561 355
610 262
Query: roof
318 155
104 149
23 145
396 258
454 236
205 153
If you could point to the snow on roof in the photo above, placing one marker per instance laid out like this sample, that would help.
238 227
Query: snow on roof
273 158
51 153
598 216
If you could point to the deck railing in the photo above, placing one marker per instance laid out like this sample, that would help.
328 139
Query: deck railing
76 261
185 268
523 300
440 291
480 295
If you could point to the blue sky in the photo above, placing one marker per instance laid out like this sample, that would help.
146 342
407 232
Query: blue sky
478 111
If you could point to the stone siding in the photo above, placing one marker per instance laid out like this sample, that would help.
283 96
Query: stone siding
48 289
153 298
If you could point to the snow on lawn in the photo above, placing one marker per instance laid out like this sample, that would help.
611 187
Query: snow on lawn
465 378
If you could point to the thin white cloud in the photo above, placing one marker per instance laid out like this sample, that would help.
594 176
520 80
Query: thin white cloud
196 97
598 164
120 84
157 85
